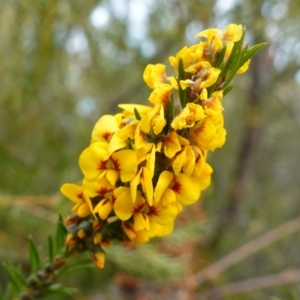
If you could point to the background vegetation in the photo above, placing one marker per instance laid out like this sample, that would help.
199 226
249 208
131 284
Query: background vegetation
65 63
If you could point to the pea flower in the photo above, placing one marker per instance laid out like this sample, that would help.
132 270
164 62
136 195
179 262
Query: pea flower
147 162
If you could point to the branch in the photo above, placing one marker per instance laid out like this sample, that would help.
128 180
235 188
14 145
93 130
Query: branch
244 251
249 285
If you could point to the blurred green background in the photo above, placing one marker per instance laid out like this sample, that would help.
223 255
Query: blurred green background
65 63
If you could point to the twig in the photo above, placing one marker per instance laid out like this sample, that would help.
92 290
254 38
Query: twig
248 285
244 251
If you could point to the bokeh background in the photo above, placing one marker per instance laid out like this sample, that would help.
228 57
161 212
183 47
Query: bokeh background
65 63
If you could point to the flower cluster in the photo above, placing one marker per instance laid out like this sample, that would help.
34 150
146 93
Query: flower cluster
146 163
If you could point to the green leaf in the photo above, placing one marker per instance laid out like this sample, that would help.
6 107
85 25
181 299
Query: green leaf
50 249
14 276
58 288
181 76
8 295
60 236
35 263
221 58
137 114
169 114
251 51
227 90
76 266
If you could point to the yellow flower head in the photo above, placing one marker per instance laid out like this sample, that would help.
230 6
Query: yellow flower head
188 116
155 75
209 133
146 163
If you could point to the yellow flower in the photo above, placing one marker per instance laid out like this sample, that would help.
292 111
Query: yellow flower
188 55
172 143
95 161
154 119
188 116
128 131
99 187
161 94
106 205
214 42
105 127
232 33
205 74
75 194
189 161
209 133
145 216
182 188
155 75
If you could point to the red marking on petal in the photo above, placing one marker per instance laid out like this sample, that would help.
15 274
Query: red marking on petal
102 165
113 198
177 186
153 210
116 164
165 97
106 135
128 227
79 196
102 191
138 208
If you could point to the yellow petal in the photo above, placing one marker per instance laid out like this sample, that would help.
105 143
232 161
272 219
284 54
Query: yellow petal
186 188
189 164
134 184
161 94
142 237
171 144
179 161
104 208
168 197
124 206
99 259
158 122
112 176
125 162
105 127
232 33
166 229
164 214
145 124
128 131
163 182
91 160
72 191
128 229
146 181
115 144
81 209
244 67
155 75
97 187
154 227
128 112
140 221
